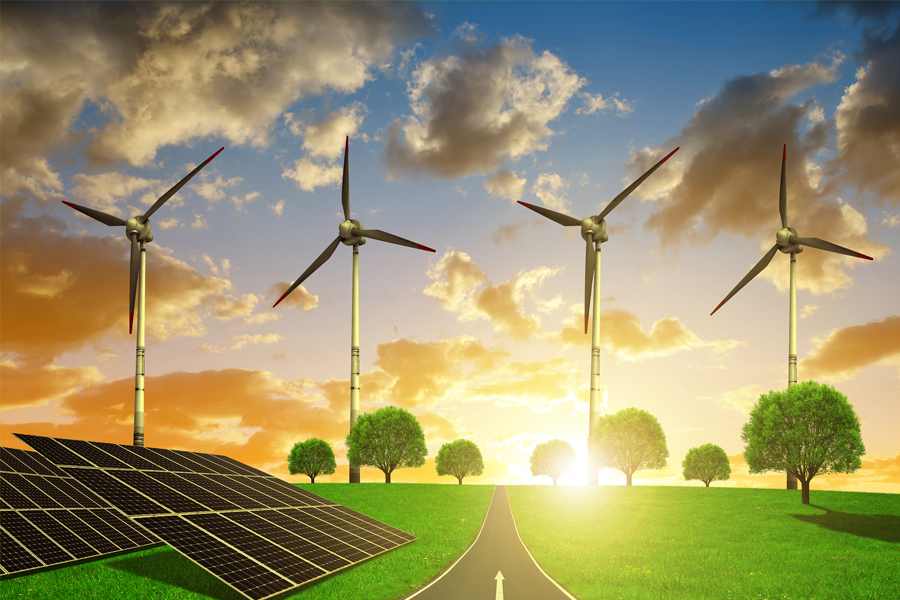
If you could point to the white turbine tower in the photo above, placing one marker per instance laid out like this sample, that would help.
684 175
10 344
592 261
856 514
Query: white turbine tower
788 241
593 231
351 233
137 229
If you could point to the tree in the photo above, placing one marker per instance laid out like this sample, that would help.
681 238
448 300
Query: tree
808 429
553 458
459 458
388 439
313 457
630 440
706 463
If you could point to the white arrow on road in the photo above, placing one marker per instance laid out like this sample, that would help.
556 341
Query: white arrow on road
499 579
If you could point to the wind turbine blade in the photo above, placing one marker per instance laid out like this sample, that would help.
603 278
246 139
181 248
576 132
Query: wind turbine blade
345 185
96 214
589 260
782 196
132 285
823 245
177 186
633 186
762 264
312 268
383 236
560 218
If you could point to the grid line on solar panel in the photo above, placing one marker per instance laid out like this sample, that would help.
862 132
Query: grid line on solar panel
36 462
225 467
225 492
47 486
160 493
154 457
236 485
11 463
14 497
53 529
326 540
289 492
85 532
128 527
116 493
231 566
387 529
37 543
91 518
85 497
307 550
256 484
195 492
14 556
53 451
211 466
304 516
30 491
93 454
245 469
126 455
330 516
174 458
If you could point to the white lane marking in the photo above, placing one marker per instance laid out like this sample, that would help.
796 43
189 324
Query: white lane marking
499 579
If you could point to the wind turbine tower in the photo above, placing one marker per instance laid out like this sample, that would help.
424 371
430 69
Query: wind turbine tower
137 229
351 233
788 241
593 231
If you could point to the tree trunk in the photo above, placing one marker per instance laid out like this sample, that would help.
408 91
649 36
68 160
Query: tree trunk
805 491
628 476
387 476
554 480
460 480
707 483
312 478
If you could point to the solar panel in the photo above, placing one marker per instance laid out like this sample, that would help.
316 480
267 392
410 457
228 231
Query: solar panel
47 518
257 533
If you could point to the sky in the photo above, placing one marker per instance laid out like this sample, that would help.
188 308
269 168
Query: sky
455 112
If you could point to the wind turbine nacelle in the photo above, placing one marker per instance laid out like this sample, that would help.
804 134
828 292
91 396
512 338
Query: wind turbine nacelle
348 237
592 231
139 226
783 238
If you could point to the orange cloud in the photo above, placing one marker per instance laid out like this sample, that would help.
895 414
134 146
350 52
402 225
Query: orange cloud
844 352
30 384
622 334
540 384
300 297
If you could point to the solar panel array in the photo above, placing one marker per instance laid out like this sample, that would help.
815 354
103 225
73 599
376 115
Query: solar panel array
257 533
48 518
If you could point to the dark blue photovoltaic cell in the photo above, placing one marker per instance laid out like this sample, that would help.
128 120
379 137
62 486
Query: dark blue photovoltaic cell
59 534
12 496
160 493
83 531
203 496
116 493
27 535
127 526
13 556
235 484
53 451
36 462
110 532
155 457
32 493
220 490
126 455
93 454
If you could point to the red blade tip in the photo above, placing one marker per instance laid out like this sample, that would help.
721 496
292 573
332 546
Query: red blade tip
130 322
68 204
421 247
717 308
214 155
279 300
523 203
585 322
784 154
858 255
670 154
347 146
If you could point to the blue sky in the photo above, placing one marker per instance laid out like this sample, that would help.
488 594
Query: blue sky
455 111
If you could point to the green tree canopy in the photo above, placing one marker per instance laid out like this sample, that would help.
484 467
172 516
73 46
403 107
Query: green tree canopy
389 438
706 463
313 457
459 458
808 429
553 458
629 440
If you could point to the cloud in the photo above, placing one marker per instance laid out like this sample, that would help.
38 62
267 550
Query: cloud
539 385
240 202
456 278
104 190
300 297
472 114
277 208
727 180
243 340
622 334
891 220
868 120
325 139
809 310
30 385
511 232
596 103
741 400
308 175
844 352
550 188
212 190
169 74
505 184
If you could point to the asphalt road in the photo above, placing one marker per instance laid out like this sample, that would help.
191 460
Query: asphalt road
497 548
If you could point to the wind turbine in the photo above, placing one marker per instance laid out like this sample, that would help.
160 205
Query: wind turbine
351 233
137 229
788 241
593 231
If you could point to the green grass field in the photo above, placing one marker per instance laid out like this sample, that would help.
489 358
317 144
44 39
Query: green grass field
606 543
687 543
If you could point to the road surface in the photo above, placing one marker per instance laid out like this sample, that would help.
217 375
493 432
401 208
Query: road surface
497 549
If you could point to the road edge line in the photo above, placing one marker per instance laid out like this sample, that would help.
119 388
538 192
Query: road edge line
561 588
447 570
